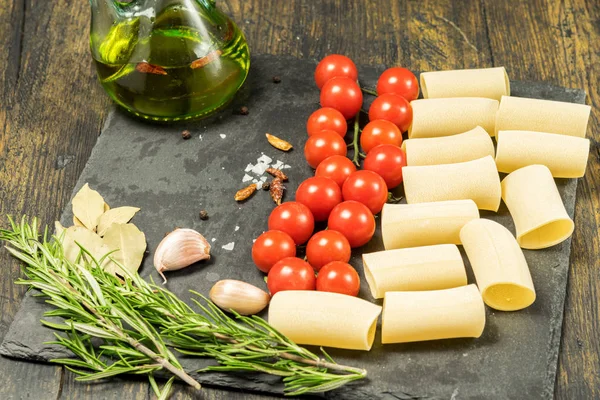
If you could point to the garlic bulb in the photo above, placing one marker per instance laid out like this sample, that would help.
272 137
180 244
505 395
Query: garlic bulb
179 249
241 297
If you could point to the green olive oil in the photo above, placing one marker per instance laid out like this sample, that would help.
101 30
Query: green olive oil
163 69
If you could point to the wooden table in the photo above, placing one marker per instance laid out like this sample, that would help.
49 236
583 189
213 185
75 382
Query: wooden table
52 109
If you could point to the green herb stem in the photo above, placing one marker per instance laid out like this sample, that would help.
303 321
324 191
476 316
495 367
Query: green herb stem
356 159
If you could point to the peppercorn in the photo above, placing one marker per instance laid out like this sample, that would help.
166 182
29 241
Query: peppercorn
276 79
266 186
203 215
186 135
244 110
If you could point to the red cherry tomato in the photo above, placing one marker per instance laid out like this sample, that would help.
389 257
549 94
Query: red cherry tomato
387 161
343 94
338 277
291 273
327 246
379 132
353 220
398 81
320 195
293 218
322 145
367 188
271 247
326 118
393 108
337 168
334 65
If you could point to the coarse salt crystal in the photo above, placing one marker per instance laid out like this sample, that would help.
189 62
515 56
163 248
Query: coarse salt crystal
229 246
286 166
246 178
264 159
260 168
213 239
249 168
277 165
263 179
223 136
237 228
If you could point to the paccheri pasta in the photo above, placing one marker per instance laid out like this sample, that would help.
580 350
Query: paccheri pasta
534 202
499 265
519 113
462 147
433 314
444 117
324 319
477 180
492 83
423 224
417 268
565 156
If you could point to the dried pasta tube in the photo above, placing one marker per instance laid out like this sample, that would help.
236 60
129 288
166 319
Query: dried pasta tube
424 224
565 156
433 314
532 198
519 113
499 265
417 268
477 180
445 117
465 146
324 319
492 83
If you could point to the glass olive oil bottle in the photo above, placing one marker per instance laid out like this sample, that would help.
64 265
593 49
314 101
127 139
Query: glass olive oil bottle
168 60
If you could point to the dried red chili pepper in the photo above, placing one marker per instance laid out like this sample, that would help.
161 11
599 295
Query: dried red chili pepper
148 68
277 173
276 190
207 59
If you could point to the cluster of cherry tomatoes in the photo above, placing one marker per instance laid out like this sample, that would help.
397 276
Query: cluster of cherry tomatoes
340 194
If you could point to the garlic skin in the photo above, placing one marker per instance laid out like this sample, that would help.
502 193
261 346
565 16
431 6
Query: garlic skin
241 297
179 249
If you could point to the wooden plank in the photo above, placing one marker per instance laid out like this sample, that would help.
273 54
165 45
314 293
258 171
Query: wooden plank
558 42
51 115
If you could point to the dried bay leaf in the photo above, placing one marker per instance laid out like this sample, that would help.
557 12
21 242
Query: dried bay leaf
58 229
86 238
130 243
119 215
77 222
88 206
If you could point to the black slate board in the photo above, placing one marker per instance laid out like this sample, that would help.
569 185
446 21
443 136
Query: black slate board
150 166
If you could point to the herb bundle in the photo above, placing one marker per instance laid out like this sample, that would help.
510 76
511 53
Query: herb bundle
117 326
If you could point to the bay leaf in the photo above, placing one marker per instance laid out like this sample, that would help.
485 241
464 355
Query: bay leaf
88 206
58 229
119 215
77 222
130 244
86 238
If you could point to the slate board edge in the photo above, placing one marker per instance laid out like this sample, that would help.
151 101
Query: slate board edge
352 391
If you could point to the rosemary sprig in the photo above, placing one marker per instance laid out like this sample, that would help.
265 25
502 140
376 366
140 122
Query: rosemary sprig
137 321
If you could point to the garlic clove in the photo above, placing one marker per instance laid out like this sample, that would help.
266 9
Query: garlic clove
241 297
179 249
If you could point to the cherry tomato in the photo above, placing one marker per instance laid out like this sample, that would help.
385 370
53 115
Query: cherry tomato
343 94
322 145
291 273
393 108
379 132
338 277
398 81
387 161
334 65
353 220
326 118
337 168
293 218
327 246
320 195
271 247
367 188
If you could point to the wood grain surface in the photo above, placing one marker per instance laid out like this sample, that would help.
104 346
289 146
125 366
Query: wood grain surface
52 109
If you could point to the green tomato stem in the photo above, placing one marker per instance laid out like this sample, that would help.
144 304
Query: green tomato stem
369 91
356 159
